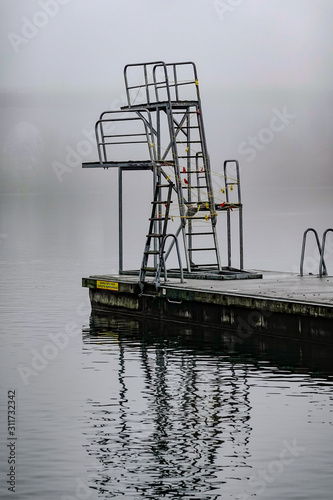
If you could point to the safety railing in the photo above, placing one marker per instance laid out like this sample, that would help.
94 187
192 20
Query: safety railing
321 249
157 78
229 184
176 82
108 133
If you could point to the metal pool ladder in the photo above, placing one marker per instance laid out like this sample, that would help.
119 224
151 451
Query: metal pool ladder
321 249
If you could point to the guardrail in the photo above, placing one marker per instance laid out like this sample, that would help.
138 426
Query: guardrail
138 130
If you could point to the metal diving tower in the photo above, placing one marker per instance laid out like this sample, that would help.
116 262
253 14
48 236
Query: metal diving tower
164 114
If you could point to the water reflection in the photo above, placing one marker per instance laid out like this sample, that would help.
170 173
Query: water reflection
174 418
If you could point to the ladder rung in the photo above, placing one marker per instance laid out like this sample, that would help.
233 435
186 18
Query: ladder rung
195 187
152 252
200 249
187 156
188 142
196 203
227 205
163 185
199 234
159 218
154 235
160 202
205 265
198 208
192 217
148 268
194 172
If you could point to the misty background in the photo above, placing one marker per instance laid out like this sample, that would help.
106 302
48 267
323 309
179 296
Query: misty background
62 65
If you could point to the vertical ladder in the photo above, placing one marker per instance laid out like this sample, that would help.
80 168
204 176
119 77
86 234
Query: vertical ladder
158 223
193 177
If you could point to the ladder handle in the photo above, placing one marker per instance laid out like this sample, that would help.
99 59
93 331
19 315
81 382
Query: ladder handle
163 259
173 242
322 263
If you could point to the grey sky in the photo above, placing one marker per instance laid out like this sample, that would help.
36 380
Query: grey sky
234 42
62 63
265 74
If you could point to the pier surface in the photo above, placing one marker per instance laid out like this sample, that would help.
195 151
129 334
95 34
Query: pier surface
281 304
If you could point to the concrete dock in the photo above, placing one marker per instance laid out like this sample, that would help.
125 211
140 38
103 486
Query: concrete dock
279 304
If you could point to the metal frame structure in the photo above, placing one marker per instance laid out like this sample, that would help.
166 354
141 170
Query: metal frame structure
179 150
164 104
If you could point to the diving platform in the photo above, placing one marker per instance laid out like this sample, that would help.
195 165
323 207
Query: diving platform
164 117
162 128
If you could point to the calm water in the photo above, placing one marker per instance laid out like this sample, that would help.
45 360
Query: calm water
111 407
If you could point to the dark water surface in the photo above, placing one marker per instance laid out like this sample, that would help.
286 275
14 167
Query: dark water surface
113 407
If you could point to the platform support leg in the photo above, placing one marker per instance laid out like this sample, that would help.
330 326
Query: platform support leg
120 219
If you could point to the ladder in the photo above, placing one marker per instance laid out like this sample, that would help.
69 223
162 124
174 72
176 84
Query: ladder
157 231
192 172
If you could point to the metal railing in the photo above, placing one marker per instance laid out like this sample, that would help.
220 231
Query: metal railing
151 83
162 260
230 183
107 134
322 263
174 82
321 249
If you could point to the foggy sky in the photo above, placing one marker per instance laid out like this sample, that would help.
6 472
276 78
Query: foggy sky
62 64
265 74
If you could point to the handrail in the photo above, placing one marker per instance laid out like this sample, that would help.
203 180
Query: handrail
320 249
175 82
162 259
152 85
228 184
147 83
125 138
322 263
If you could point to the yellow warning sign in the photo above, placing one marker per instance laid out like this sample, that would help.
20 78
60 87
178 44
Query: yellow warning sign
107 285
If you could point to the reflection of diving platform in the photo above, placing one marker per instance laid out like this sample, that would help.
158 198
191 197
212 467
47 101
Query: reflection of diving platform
180 401
178 417
163 121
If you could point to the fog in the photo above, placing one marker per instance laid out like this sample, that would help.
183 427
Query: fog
258 61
